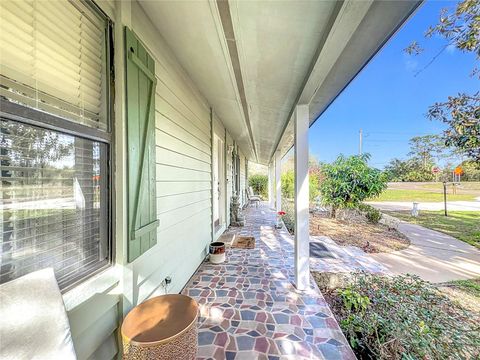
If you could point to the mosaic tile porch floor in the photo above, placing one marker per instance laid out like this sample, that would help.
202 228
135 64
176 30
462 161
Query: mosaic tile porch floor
249 308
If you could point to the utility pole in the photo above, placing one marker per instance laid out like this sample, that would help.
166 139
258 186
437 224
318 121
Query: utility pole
360 142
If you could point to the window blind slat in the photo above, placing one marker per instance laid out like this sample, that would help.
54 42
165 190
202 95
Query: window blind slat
57 48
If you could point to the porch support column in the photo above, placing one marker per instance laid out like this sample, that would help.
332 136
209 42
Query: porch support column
278 181
271 184
302 236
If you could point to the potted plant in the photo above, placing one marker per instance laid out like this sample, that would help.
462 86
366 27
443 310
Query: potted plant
280 216
216 251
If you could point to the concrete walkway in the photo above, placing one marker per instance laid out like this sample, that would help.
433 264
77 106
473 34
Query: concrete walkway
432 255
344 259
434 206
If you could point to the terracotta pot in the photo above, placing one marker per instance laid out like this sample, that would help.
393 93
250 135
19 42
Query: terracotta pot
217 252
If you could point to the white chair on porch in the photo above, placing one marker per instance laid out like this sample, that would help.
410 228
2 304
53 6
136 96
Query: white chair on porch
252 198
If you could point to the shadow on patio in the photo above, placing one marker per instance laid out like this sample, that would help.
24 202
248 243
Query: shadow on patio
249 308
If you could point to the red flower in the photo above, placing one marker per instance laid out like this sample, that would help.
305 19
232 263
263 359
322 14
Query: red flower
281 213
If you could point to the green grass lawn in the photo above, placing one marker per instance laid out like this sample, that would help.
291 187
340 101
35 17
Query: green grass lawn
465 185
471 286
419 195
464 292
463 225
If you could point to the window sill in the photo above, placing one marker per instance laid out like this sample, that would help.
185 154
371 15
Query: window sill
96 284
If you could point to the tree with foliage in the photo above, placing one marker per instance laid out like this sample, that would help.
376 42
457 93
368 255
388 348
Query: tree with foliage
425 149
349 180
288 184
408 170
471 170
462 115
396 170
461 112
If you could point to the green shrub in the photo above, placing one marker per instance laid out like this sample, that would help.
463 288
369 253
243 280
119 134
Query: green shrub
373 215
259 184
289 218
349 180
404 317
288 184
362 207
314 185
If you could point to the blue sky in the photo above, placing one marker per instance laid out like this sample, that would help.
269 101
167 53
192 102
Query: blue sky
387 101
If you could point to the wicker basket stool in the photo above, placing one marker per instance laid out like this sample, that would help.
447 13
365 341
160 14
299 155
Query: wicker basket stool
164 328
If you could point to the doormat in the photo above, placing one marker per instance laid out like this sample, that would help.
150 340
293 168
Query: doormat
244 242
318 250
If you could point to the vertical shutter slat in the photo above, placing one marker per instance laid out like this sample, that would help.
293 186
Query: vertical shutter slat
142 221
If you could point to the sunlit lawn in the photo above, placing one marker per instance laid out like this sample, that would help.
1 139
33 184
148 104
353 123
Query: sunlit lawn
465 185
419 195
463 225
464 292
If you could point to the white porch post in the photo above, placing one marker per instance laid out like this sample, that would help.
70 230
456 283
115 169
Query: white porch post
302 236
271 184
278 180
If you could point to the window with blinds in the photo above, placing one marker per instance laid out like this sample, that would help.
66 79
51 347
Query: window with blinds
54 139
53 58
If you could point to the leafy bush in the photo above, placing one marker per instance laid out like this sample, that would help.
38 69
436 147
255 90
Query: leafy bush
349 180
404 317
314 185
259 184
373 215
288 184
289 218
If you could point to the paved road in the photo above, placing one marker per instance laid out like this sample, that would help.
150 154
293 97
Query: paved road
451 205
432 255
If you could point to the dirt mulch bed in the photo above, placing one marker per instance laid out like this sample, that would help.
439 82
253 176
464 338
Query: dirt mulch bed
371 238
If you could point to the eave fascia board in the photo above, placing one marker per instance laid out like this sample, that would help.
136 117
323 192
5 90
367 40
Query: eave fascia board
226 35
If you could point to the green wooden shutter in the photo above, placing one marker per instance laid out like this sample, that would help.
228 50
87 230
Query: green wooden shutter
142 212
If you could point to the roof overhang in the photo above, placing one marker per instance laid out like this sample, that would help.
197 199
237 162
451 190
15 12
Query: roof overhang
254 61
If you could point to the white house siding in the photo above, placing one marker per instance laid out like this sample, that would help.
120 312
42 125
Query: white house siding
243 182
230 178
219 130
184 205
183 155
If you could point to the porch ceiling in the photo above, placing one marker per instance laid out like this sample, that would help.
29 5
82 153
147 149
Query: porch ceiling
255 60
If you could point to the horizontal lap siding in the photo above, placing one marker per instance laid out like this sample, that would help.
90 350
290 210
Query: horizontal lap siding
183 187
243 183
230 176
183 170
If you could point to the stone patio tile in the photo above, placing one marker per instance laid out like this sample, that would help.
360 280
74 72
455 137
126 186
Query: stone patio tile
250 308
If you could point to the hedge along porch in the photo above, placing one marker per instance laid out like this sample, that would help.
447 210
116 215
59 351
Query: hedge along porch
199 71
